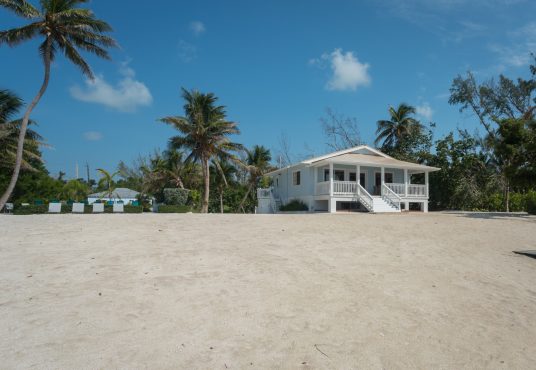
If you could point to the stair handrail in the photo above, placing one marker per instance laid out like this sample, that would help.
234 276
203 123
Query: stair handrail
390 196
273 202
365 197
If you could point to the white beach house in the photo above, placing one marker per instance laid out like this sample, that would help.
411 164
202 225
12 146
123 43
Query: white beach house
331 183
123 195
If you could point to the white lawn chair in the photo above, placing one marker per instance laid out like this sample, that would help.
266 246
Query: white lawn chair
98 207
54 208
8 208
118 208
78 207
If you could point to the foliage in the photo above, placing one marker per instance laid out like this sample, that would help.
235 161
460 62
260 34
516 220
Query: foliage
164 208
294 205
176 197
10 104
400 124
530 202
106 182
75 190
232 198
257 163
30 210
204 132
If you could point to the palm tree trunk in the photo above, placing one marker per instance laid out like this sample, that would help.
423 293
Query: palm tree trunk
241 206
24 127
206 174
221 201
507 196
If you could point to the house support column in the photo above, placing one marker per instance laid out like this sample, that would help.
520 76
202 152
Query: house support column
357 178
426 182
331 179
332 205
382 180
406 182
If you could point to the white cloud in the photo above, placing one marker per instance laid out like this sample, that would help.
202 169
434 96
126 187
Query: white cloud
348 72
517 52
126 96
93 135
424 110
187 52
197 28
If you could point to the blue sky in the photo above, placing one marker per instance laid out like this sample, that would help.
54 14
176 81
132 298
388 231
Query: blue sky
276 65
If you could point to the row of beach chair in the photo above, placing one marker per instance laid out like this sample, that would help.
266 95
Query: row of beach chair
79 208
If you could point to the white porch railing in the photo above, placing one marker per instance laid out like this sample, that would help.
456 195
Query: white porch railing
390 196
344 187
365 198
414 190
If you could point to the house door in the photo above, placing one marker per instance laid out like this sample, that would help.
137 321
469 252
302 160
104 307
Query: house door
378 181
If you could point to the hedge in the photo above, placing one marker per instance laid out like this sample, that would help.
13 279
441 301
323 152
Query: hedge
165 208
294 206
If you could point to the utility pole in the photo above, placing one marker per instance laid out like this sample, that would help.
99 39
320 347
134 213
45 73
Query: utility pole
76 170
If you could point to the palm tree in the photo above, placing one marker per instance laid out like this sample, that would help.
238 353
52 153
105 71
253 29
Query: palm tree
222 174
257 163
10 104
107 181
400 124
64 27
205 132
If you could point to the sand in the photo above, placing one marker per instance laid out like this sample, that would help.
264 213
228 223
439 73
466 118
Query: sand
426 291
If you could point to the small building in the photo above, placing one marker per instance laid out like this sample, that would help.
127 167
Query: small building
356 178
124 195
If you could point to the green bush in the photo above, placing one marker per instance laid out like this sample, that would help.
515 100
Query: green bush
294 206
530 202
517 202
164 208
32 209
495 203
176 197
133 209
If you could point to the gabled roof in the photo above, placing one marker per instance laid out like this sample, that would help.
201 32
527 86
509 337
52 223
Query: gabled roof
345 151
119 193
349 156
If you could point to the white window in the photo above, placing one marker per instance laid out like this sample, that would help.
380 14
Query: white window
296 178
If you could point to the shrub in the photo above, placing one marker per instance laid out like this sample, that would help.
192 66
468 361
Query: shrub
176 197
530 202
164 208
495 202
32 209
517 202
133 209
294 205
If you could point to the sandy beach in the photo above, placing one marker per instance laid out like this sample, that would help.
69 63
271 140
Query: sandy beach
403 291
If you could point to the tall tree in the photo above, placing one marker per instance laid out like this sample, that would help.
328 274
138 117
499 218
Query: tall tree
223 173
64 27
204 132
106 181
400 123
257 163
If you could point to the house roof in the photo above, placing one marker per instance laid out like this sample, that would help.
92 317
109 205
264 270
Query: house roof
349 156
119 193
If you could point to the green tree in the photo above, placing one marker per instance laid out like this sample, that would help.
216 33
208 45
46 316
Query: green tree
222 176
257 163
204 133
75 190
64 27
400 124
10 104
106 181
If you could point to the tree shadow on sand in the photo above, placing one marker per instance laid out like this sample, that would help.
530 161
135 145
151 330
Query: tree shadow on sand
495 215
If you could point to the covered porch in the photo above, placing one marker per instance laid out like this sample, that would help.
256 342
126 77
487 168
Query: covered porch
398 186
